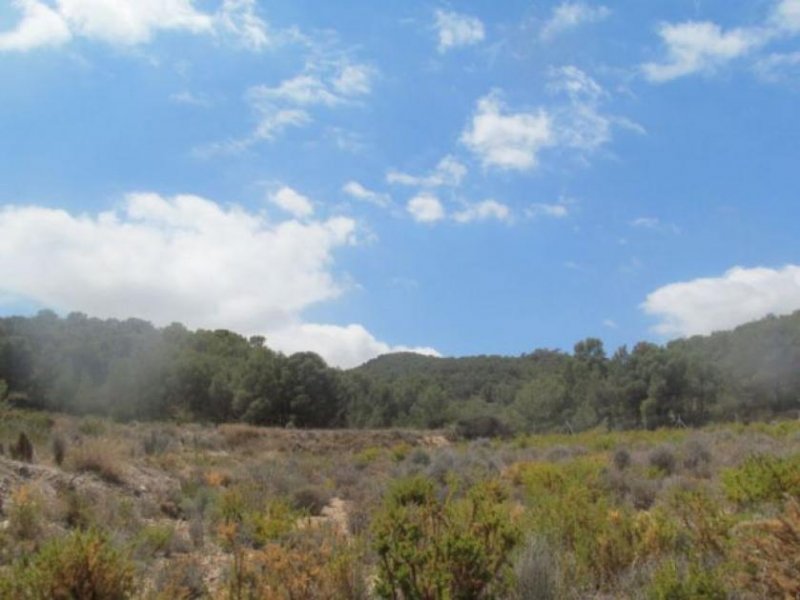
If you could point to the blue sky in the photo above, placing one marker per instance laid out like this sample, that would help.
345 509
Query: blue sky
459 178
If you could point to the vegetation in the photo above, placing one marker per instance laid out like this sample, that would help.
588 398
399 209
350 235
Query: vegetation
132 370
137 467
238 511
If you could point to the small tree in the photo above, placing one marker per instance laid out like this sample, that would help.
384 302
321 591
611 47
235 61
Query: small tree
443 549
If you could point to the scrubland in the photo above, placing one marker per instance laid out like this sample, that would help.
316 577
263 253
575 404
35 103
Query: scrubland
180 511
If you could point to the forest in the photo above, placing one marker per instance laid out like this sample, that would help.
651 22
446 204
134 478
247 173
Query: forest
131 370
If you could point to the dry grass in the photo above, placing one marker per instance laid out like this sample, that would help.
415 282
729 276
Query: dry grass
105 457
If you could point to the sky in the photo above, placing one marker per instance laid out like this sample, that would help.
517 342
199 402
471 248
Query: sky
356 178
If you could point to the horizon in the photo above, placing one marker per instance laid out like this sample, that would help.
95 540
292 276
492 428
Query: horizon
449 180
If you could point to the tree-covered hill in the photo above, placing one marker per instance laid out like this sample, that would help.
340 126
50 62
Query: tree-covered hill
133 370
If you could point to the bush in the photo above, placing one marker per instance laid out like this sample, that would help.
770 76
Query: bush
768 554
482 427
673 581
443 548
100 456
310 500
536 571
317 565
663 459
59 447
82 566
26 513
22 450
763 478
622 459
697 457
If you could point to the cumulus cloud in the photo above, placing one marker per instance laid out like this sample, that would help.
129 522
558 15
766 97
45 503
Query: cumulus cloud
483 211
343 346
130 22
293 202
238 20
291 103
355 190
559 210
654 224
186 259
704 305
40 26
504 139
448 172
704 47
457 30
425 208
510 140
571 15
699 47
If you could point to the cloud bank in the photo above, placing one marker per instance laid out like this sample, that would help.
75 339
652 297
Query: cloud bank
704 305
185 259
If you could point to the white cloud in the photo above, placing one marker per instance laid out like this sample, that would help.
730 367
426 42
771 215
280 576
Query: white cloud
185 259
131 22
654 224
40 26
355 190
610 323
425 208
778 66
292 202
303 90
571 15
354 80
786 16
554 211
700 47
701 306
343 346
448 172
238 20
186 97
507 140
456 30
483 211
290 103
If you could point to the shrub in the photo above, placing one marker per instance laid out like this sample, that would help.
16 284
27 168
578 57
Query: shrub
420 458
310 500
443 548
482 427
663 459
155 540
156 442
622 459
697 457
181 579
768 555
763 478
536 571
26 513
673 581
22 450
81 566
59 447
319 565
92 426
100 456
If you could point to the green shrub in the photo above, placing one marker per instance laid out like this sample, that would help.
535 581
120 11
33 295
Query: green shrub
433 548
673 581
763 478
82 566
